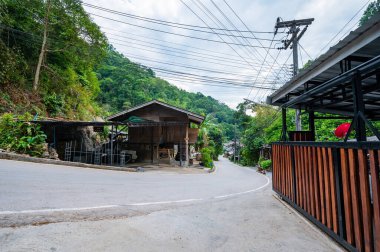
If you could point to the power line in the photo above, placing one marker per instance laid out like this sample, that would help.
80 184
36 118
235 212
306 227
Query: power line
199 81
267 51
265 93
308 55
278 54
201 53
229 44
178 50
343 27
233 11
128 46
167 22
253 51
169 42
216 78
187 66
172 33
261 67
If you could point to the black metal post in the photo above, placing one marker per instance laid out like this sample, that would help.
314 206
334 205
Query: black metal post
54 138
284 128
358 107
339 191
312 124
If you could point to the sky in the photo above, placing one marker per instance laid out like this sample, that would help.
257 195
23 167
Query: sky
222 48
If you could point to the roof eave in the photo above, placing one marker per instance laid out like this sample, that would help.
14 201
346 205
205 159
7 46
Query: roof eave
343 49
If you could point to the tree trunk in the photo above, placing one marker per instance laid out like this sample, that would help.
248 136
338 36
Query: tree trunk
43 48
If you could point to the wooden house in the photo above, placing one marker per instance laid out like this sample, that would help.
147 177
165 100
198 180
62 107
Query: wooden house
159 132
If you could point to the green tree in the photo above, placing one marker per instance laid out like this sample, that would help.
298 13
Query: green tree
372 9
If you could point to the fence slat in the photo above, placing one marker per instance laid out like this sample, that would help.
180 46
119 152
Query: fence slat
306 169
347 196
311 181
316 185
299 193
355 200
290 173
365 200
374 166
321 185
302 180
327 188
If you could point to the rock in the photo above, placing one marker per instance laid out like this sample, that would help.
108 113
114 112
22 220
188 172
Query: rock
53 153
140 169
45 154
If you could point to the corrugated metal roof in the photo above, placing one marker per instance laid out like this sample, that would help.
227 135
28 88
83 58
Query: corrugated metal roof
192 116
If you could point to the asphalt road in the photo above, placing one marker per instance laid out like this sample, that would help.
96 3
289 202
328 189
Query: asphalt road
57 208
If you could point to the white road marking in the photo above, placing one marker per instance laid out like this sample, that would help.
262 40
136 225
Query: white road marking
239 193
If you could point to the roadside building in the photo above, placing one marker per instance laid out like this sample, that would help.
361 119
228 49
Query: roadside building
159 132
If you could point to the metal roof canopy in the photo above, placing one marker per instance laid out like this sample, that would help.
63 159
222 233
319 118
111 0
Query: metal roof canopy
326 86
61 123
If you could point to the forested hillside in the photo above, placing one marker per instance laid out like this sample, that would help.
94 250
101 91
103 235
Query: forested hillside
125 84
81 76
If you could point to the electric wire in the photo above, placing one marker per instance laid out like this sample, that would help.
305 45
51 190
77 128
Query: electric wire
171 33
167 22
305 51
253 52
199 59
230 45
178 50
328 43
219 23
233 11
137 57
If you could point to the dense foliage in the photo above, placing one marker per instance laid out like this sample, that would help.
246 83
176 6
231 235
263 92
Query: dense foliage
266 126
210 140
20 135
75 45
372 9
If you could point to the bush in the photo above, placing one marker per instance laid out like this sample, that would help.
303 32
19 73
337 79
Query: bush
207 154
20 135
265 164
54 103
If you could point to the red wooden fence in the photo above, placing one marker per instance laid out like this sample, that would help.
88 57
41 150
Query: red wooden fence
336 187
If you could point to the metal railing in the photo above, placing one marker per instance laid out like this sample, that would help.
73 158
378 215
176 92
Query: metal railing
98 154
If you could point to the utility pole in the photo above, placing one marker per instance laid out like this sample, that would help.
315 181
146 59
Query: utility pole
294 30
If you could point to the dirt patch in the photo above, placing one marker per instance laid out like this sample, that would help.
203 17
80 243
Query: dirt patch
20 100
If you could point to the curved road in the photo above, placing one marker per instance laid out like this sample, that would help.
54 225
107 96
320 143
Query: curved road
77 209
40 186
